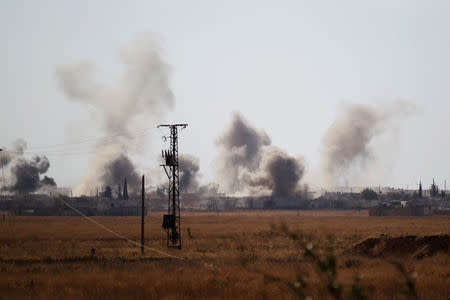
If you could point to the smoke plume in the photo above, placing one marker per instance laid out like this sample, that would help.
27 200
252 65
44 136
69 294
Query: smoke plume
241 147
24 174
119 168
348 144
5 158
247 165
17 149
189 178
278 174
161 191
189 167
211 188
48 181
142 91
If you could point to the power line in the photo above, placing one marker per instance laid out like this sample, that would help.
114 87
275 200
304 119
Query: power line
3 169
90 139
172 221
133 141
106 228
96 145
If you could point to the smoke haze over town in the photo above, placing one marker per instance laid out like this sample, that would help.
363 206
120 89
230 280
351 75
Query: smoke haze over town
322 118
225 149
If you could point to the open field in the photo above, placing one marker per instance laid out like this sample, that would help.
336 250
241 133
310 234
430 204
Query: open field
228 256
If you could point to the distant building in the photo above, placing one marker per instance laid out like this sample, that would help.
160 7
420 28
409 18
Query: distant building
400 211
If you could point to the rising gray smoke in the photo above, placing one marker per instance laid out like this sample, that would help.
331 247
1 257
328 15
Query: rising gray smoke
189 178
250 167
143 91
161 191
189 167
19 146
118 169
241 147
279 174
348 142
5 158
211 188
48 181
17 149
25 174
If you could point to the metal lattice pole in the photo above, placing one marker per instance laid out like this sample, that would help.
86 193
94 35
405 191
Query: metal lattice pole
3 172
172 221
142 214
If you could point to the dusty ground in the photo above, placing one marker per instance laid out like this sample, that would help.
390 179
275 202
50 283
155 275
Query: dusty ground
230 255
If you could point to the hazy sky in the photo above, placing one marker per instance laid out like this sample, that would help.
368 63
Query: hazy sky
285 65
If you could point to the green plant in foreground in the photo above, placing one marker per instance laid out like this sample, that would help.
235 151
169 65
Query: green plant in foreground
408 278
358 292
324 261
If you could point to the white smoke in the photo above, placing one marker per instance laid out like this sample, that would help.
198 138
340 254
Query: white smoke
349 144
142 91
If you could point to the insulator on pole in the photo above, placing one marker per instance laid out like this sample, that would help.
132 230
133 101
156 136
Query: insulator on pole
172 221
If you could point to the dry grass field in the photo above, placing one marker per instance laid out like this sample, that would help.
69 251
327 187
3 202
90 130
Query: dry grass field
231 255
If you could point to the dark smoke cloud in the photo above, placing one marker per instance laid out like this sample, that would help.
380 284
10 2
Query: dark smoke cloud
189 178
279 174
189 167
161 191
25 174
142 91
118 169
48 181
248 166
241 146
348 142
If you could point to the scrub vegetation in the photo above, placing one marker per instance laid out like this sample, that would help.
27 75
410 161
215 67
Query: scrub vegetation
242 254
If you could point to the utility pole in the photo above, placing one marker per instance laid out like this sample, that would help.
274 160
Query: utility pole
172 221
142 216
420 189
3 172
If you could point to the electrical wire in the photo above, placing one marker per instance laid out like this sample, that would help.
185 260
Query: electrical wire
131 141
90 139
104 142
87 151
3 171
92 145
97 145
106 228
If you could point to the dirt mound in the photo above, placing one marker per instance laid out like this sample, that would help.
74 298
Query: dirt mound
405 246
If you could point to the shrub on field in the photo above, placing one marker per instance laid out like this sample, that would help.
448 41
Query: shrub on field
325 266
